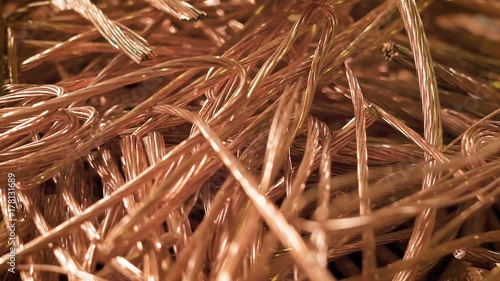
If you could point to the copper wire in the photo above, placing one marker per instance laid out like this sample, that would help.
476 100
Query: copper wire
250 140
119 36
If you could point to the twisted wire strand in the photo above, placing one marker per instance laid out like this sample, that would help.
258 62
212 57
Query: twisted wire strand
118 35
180 9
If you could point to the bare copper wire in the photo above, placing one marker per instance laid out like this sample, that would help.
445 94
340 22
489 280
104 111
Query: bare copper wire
264 140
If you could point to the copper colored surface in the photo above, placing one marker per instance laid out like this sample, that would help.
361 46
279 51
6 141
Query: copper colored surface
250 140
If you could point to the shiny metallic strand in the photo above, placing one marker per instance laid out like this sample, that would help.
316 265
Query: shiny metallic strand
180 9
118 35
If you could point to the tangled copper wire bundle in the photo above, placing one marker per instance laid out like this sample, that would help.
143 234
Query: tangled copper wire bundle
250 140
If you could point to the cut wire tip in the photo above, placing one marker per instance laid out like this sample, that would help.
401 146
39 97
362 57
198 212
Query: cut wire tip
388 50
179 9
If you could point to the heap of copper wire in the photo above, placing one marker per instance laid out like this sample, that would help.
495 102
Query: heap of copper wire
251 140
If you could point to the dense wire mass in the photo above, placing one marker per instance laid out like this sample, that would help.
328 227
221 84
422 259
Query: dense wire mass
250 140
